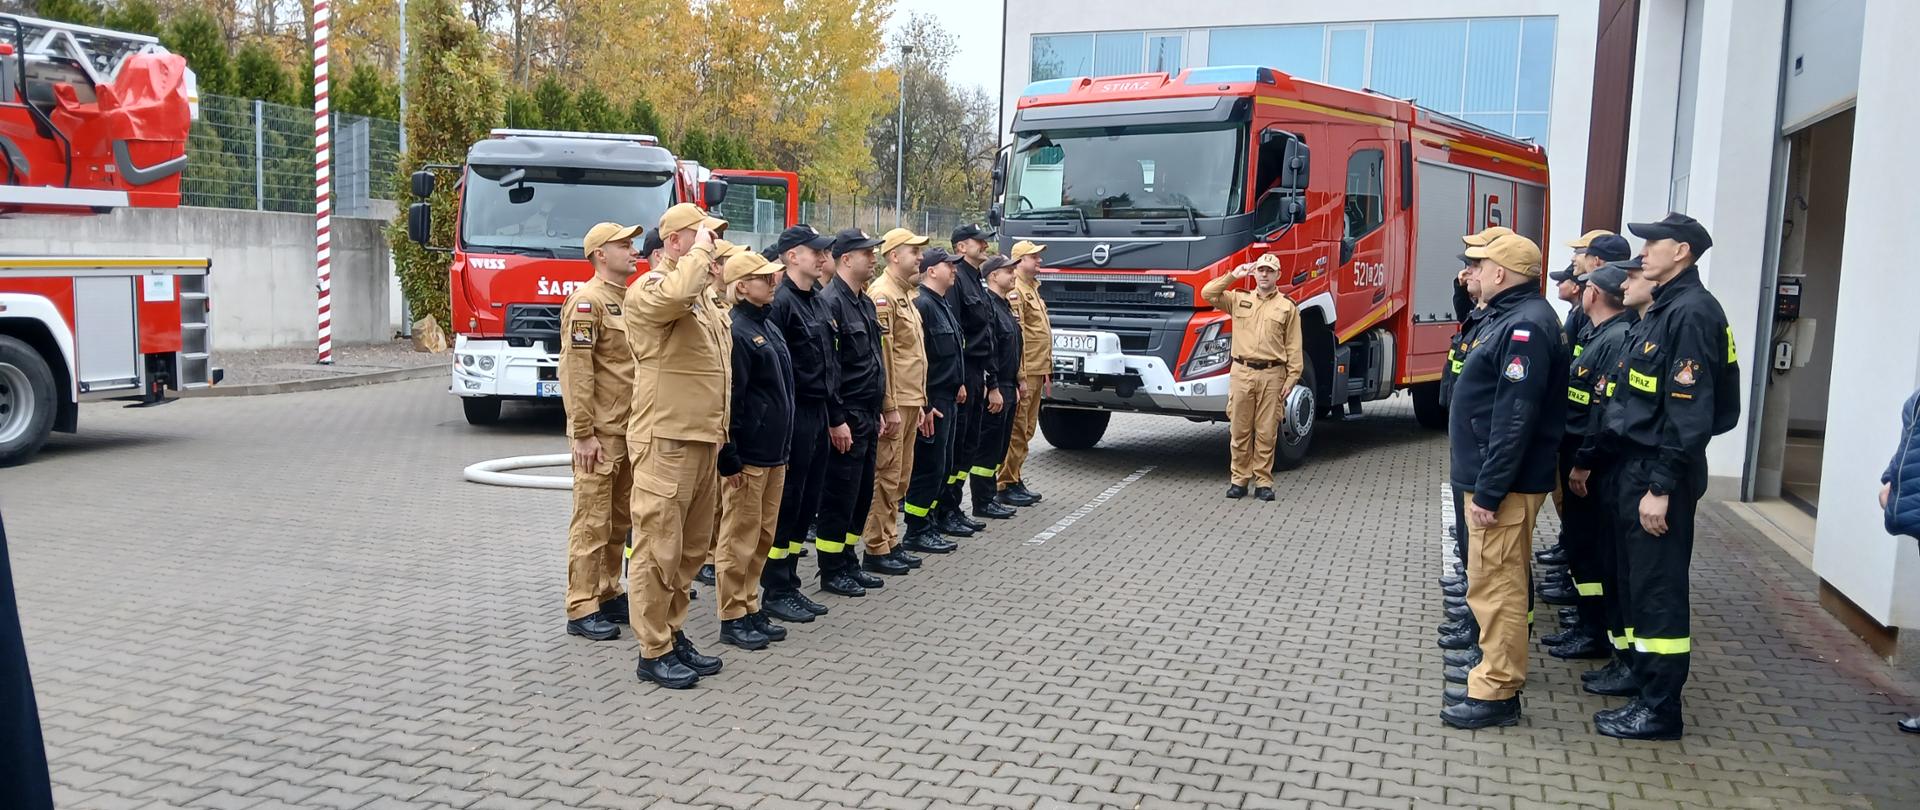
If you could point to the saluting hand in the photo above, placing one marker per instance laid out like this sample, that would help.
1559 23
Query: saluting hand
704 238
1243 271
587 453
1653 514
1577 481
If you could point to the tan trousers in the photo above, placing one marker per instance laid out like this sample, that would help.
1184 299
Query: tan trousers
1498 566
602 514
890 474
748 516
1026 417
1254 402
676 492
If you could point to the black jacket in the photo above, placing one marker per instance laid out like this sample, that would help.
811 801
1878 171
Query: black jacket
24 783
804 322
856 341
1509 405
1457 350
1594 360
944 365
1003 371
1575 330
973 304
760 428
1680 385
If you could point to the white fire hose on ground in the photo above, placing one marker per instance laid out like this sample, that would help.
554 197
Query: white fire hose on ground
495 472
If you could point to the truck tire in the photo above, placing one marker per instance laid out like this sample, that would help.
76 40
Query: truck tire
481 411
1428 410
26 401
1290 448
1071 429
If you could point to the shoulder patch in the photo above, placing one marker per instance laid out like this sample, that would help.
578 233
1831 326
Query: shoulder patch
1522 335
614 310
1516 369
1648 347
1686 372
583 306
581 332
879 302
759 340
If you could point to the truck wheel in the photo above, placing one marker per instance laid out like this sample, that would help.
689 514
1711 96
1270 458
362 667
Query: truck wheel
1428 410
481 410
1070 429
26 401
1298 417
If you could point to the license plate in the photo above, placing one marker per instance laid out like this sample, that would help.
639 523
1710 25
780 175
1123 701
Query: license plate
1073 343
548 388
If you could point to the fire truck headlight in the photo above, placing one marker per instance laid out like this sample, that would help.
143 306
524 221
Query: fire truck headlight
486 363
466 360
1211 353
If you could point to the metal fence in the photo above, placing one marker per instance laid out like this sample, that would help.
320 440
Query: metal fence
828 215
258 155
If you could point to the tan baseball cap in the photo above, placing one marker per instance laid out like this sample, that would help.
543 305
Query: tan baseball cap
1485 237
688 215
897 237
1268 261
724 250
1024 248
607 232
1512 251
748 263
1588 237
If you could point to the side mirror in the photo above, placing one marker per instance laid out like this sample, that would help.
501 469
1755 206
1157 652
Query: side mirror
994 216
1288 155
715 192
999 173
423 184
420 216
1296 211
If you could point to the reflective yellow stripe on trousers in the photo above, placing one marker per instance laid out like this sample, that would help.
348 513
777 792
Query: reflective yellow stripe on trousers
835 546
1664 646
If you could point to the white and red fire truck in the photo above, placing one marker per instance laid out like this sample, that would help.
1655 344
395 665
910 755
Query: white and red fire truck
92 120
1146 187
526 200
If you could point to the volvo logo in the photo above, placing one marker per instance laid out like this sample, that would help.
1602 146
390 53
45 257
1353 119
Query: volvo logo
1101 253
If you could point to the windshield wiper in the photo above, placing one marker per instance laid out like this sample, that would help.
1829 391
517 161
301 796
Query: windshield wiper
1058 209
1193 220
519 250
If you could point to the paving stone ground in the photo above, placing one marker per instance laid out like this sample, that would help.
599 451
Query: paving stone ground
295 601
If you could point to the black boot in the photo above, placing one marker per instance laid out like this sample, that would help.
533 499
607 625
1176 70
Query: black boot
990 508
900 553
1555 595
866 580
767 628
951 524
1456 675
1459 614
705 577
615 609
1263 493
1639 723
1585 647
782 605
1467 658
668 671
883 564
1617 712
1452 580
1552 556
842 583
594 627
970 523
1467 637
817 608
1473 713
1021 487
703 664
1453 695
1009 497
741 633
1236 491
1459 589
928 542
1453 601
1613 680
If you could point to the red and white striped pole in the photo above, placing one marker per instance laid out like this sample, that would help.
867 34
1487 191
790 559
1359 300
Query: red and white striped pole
322 184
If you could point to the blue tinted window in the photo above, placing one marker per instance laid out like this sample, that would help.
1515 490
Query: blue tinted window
1347 58
1536 64
1493 63
1058 56
1422 61
1116 54
1498 122
1531 125
1293 49
1163 54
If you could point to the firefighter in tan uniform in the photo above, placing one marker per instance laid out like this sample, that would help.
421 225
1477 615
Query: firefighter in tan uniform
718 297
1267 362
1036 365
903 412
681 352
596 383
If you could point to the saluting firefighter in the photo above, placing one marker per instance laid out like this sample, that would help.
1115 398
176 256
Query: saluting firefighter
863 393
904 413
976 427
596 386
719 298
1036 365
1681 388
760 430
808 330
681 352
1505 421
932 458
1267 360
1003 392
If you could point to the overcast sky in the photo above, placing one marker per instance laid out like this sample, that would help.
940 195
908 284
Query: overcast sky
976 30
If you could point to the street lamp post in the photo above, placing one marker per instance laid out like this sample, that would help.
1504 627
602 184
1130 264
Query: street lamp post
900 140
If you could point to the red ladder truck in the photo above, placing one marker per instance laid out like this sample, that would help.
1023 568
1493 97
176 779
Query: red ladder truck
92 120
1146 187
526 199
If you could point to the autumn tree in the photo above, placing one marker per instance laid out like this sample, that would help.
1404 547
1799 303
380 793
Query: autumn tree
950 130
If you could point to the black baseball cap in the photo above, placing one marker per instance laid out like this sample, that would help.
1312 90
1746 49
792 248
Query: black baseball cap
1628 265
853 239
1610 278
799 235
1608 248
651 243
994 262
971 231
1678 227
934 256
1568 274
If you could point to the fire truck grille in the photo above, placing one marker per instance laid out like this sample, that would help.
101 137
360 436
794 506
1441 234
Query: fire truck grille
1115 291
537 321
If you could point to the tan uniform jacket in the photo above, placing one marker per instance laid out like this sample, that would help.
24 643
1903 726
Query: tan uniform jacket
1036 333
596 363
1264 328
903 343
681 350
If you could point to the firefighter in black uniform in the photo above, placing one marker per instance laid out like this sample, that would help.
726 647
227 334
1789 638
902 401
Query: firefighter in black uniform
971 459
1003 385
1592 250
1507 414
1458 636
808 328
1681 387
932 460
1590 479
863 385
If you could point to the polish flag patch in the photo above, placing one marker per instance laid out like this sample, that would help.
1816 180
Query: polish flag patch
1522 335
583 307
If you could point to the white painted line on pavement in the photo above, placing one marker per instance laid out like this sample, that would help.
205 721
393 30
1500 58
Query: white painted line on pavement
1088 507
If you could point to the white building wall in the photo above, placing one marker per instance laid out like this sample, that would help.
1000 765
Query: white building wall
1575 38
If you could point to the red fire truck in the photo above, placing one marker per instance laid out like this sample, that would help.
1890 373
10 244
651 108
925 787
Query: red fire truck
92 120
1146 187
526 199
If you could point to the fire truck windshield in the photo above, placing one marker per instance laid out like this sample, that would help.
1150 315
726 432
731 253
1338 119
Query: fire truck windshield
546 210
1130 172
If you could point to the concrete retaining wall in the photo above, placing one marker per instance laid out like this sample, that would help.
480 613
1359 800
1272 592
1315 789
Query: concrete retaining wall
263 284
